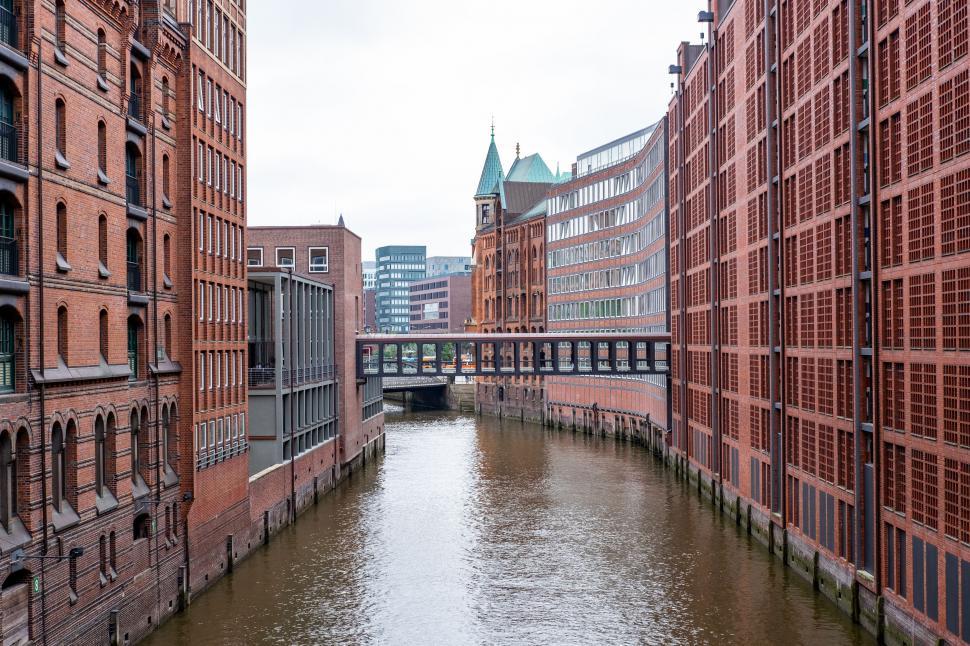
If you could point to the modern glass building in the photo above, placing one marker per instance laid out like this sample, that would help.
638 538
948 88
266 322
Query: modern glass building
444 265
397 267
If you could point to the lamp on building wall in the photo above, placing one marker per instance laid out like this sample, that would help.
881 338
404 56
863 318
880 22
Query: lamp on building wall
705 16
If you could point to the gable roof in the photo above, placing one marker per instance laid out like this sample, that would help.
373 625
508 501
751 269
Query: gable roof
530 169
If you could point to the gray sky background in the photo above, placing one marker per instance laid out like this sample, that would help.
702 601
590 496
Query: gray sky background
380 109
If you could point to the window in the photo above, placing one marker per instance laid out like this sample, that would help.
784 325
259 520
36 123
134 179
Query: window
167 255
165 97
285 257
61 234
100 458
133 175
167 330
137 447
102 54
201 92
166 177
62 457
103 244
60 26
102 148
133 343
8 481
103 334
8 363
134 94
62 333
319 259
170 448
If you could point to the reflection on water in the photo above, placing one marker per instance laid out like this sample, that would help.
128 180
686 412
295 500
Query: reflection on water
476 531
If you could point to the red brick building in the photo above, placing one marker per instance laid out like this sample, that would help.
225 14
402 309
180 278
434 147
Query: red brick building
606 272
212 160
818 179
441 304
93 343
508 273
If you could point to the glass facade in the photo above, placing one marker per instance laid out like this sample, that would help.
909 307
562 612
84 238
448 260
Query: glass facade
397 267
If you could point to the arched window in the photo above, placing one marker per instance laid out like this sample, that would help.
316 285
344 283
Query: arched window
133 256
8 354
134 93
165 438
9 262
167 331
135 433
141 527
100 458
133 346
165 97
60 25
165 176
61 215
103 243
58 467
133 175
113 553
102 54
103 557
103 334
103 147
167 255
60 127
8 481
62 330
8 129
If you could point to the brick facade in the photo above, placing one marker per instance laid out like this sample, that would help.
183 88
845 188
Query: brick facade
606 261
817 176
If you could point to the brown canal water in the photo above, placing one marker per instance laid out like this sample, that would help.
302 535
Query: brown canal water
480 531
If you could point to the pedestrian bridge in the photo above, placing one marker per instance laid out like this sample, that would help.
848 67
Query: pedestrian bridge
525 354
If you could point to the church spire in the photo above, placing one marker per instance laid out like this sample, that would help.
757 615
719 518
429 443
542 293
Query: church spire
492 171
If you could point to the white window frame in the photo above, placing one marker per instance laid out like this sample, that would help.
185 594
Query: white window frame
211 361
209 247
218 172
292 251
201 98
201 301
209 289
201 231
208 159
208 97
212 433
201 371
260 250
200 161
309 256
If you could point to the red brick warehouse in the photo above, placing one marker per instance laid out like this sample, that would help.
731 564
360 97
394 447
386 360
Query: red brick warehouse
819 182
90 239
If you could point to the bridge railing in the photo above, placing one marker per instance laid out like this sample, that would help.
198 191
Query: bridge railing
512 354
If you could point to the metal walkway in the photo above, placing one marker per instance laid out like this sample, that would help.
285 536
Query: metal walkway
527 354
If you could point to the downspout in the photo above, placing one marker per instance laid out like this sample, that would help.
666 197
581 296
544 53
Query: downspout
682 440
42 326
715 250
155 379
290 369
667 317
776 442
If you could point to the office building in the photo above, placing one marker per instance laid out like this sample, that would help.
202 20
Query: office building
370 274
444 265
397 267
606 272
441 304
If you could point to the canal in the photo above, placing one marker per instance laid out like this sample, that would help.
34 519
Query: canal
480 531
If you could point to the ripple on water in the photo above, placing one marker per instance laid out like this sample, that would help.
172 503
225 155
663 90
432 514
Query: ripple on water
476 531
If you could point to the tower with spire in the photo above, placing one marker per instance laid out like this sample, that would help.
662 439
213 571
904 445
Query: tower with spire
489 186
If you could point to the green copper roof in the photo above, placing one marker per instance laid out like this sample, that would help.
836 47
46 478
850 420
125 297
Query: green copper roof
491 172
530 169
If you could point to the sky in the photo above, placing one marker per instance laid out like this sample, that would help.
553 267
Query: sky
380 109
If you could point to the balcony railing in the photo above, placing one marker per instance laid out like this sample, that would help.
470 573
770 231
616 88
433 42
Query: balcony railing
133 190
8 28
9 258
265 377
134 277
134 106
8 142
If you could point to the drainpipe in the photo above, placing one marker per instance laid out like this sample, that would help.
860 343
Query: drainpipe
289 361
156 389
43 385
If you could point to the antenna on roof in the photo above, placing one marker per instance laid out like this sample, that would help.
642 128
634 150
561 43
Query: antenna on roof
516 150
493 126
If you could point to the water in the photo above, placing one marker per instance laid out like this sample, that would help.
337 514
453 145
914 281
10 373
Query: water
476 531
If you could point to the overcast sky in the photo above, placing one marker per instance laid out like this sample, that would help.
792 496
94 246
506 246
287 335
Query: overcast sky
380 109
